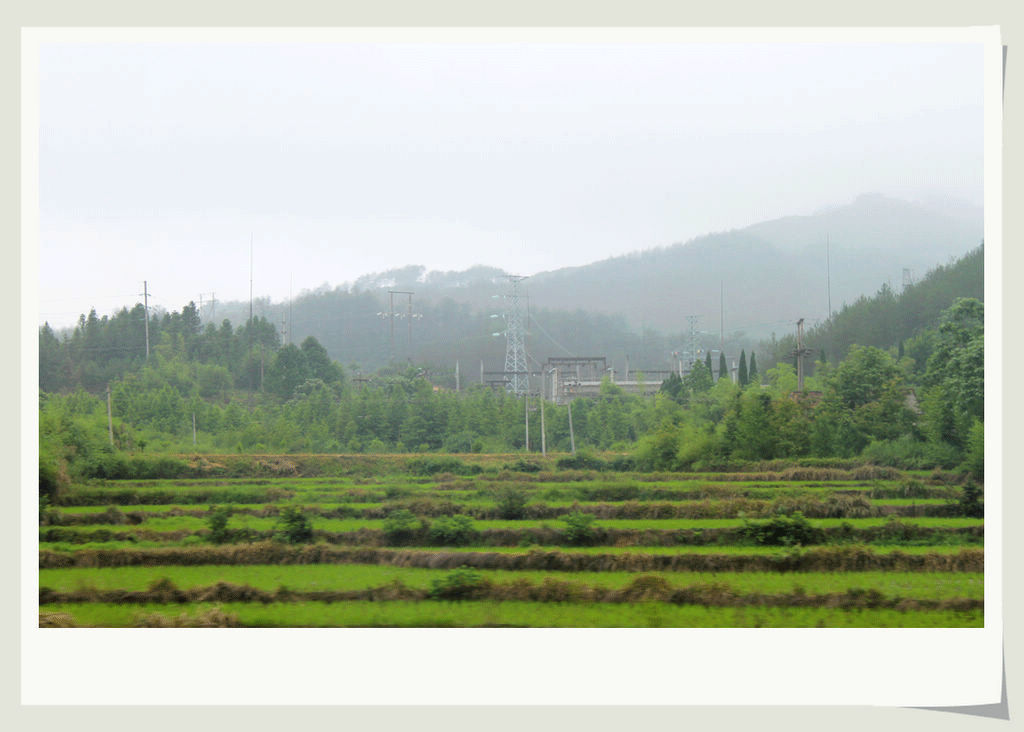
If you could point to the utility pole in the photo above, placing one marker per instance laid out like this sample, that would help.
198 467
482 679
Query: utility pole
572 437
145 299
110 418
799 354
526 401
543 436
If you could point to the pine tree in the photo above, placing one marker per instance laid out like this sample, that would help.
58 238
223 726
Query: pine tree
707 362
723 367
742 375
753 367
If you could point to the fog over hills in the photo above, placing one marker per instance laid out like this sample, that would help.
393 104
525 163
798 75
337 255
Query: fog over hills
770 273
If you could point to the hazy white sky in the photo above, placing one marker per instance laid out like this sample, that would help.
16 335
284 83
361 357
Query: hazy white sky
159 160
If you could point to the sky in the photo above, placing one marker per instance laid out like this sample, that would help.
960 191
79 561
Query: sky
163 162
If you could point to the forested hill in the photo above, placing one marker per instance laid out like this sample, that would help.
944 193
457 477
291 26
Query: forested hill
773 273
890 319
770 273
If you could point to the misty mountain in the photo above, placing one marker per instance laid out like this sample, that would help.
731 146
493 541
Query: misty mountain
767 276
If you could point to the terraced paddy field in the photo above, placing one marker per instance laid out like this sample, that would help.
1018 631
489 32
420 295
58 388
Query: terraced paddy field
507 543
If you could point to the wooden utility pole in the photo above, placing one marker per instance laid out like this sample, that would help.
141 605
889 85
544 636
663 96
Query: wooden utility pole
110 418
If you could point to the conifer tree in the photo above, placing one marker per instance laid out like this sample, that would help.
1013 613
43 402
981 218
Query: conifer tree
742 375
707 362
723 367
753 367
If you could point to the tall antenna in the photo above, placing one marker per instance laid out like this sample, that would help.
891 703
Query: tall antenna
515 340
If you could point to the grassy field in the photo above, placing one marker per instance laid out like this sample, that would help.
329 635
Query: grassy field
877 548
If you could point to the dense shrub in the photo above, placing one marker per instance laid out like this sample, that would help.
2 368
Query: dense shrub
454 530
461 584
433 466
581 461
972 500
294 527
401 526
578 529
523 466
217 522
907 453
511 503
783 530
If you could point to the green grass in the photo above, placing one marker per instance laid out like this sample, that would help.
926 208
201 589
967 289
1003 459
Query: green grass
521 614
195 523
917 585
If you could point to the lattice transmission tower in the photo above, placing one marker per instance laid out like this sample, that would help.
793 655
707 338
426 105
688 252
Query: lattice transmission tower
516 370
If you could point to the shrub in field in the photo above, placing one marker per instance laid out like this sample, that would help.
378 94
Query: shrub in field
454 530
401 526
461 584
578 529
783 530
622 464
433 466
581 461
217 522
972 500
522 466
511 503
294 527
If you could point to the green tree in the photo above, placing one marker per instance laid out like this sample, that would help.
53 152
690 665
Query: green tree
723 367
753 367
742 374
289 369
699 379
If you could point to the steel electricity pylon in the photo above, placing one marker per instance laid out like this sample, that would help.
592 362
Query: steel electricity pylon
516 369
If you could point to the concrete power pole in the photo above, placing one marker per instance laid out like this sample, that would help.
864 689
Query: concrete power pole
526 401
543 436
799 354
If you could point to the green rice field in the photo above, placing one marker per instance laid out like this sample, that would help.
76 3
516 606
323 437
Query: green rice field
809 547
